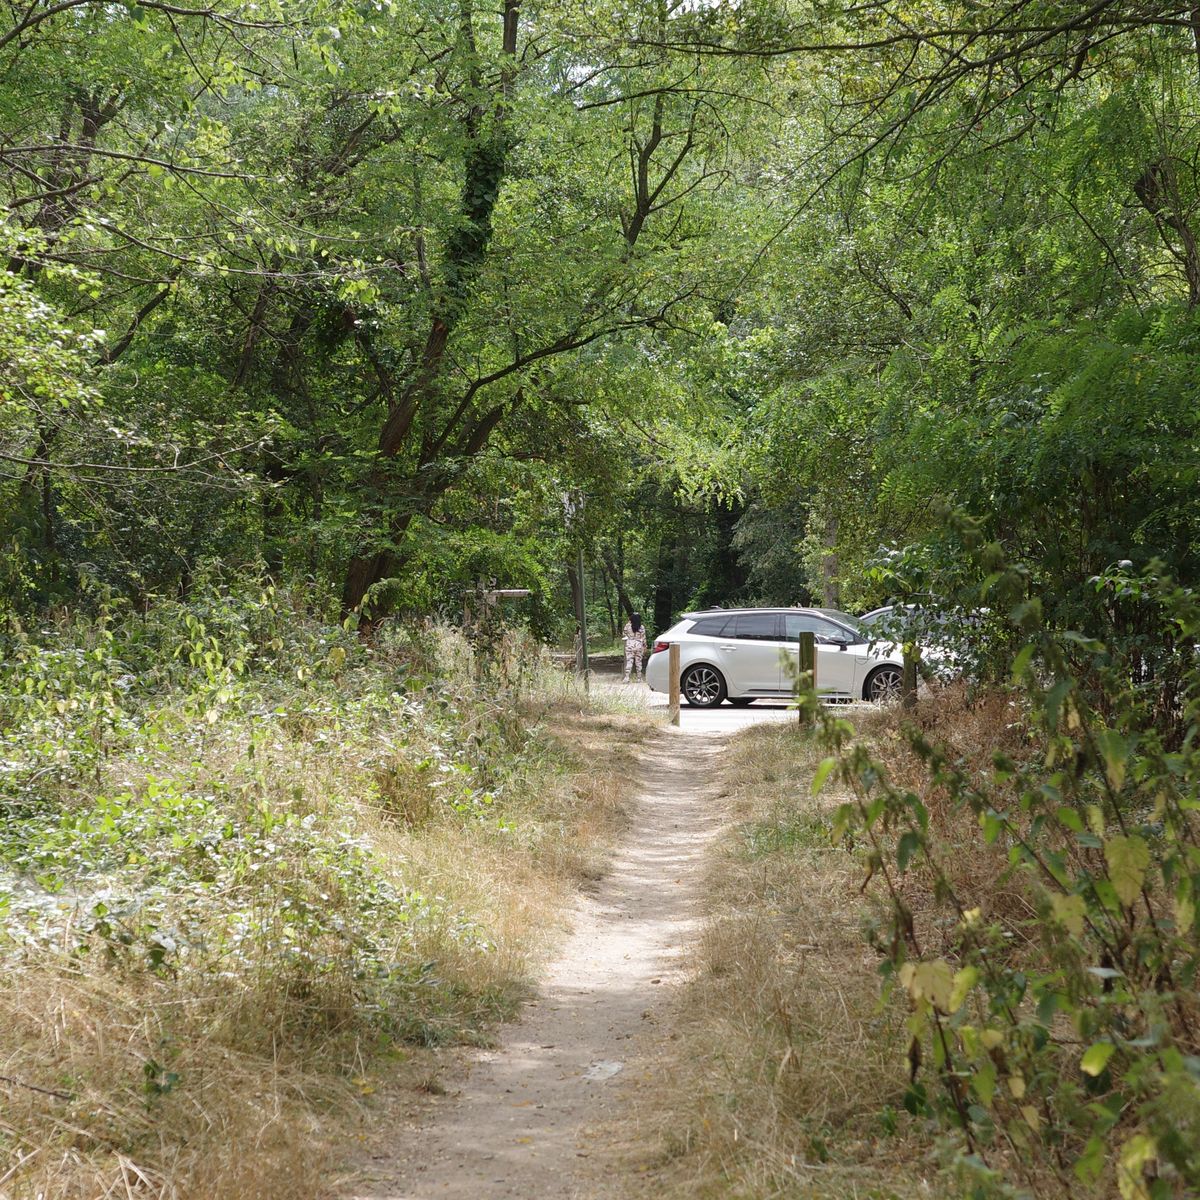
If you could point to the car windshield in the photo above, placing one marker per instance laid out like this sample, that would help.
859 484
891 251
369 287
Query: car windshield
843 618
876 614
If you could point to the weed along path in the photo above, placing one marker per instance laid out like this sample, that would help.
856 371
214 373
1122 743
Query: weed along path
516 1124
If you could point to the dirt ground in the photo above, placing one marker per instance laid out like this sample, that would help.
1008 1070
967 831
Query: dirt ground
521 1120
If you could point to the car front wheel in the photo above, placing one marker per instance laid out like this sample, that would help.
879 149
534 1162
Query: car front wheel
883 685
703 686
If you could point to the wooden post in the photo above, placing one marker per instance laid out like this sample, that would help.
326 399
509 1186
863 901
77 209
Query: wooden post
908 678
806 676
673 676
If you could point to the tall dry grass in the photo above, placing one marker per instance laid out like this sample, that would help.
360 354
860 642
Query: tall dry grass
970 726
154 1088
782 1076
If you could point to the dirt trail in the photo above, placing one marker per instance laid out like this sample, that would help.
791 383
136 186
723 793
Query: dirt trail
517 1124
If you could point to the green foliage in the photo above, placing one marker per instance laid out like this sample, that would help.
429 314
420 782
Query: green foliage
1061 1031
366 291
179 792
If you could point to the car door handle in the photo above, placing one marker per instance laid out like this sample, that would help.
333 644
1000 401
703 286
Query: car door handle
725 646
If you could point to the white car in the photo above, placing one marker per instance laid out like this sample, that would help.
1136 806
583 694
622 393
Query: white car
743 654
950 638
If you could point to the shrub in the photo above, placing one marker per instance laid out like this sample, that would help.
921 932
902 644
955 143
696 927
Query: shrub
1054 1036
244 855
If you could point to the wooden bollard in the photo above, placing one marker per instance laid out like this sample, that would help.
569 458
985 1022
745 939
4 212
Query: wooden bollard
807 674
908 676
673 676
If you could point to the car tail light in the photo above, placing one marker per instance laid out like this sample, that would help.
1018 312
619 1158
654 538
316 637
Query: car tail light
659 646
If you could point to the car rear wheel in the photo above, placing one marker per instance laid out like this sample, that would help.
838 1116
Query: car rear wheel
883 685
703 686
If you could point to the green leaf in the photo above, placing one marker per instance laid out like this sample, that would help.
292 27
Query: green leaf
1021 662
964 980
1185 911
1069 911
1090 1163
909 844
1048 1004
822 774
1070 818
1054 699
992 825
1095 1058
983 1083
1127 859
1136 1154
1115 750
932 981
843 820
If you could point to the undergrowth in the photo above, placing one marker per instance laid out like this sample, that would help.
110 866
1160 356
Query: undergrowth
784 1076
1037 862
1020 1020
248 861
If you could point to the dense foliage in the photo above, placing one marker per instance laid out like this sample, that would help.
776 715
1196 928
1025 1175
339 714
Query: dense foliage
1039 907
365 295
231 882
356 294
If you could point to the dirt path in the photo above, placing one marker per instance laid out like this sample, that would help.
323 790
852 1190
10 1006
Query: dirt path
517 1124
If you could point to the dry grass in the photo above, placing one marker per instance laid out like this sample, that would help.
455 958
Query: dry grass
784 1077
515 879
155 1096
121 1081
969 727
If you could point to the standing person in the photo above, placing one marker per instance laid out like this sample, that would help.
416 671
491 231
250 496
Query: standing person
634 634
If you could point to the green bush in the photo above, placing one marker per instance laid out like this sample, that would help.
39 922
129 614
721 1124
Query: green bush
1055 1039
179 790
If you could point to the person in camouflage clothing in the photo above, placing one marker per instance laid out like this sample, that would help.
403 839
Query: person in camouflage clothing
634 635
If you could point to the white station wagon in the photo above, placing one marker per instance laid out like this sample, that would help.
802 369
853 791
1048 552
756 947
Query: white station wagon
744 654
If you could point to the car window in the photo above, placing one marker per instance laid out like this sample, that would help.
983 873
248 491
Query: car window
826 631
710 626
758 627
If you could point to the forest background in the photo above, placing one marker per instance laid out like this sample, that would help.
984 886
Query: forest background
388 299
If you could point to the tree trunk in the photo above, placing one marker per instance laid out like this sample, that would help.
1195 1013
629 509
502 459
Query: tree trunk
614 572
664 579
1158 191
576 583
608 607
466 250
276 474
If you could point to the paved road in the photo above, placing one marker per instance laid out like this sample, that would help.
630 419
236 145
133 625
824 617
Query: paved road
722 719
725 718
